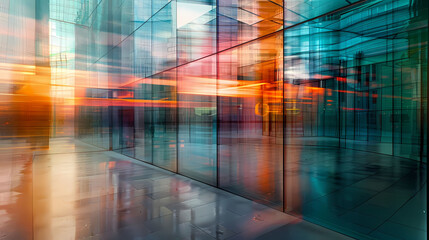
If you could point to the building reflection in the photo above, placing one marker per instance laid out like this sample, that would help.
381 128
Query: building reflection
302 106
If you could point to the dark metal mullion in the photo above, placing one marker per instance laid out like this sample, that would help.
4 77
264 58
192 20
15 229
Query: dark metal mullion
284 114
422 111
217 97
177 95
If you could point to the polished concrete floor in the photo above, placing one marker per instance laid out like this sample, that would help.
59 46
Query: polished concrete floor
76 191
362 194
356 192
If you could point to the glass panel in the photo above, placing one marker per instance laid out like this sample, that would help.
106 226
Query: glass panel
196 29
353 79
164 38
251 120
267 101
244 20
143 121
197 120
164 115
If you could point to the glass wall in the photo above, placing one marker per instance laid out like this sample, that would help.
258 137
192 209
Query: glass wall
357 79
197 128
359 87
316 108
251 120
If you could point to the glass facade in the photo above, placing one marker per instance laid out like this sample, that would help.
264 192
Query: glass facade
25 90
265 99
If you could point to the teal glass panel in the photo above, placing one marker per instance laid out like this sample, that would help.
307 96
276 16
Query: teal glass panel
197 115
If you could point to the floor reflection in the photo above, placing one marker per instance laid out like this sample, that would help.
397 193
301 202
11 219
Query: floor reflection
16 190
104 195
78 191
358 193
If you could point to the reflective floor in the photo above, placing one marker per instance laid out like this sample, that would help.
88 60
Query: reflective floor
77 191
365 195
360 193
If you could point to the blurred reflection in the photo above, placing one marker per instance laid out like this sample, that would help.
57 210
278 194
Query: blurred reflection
267 99
251 120
30 114
352 80
197 132
54 209
25 78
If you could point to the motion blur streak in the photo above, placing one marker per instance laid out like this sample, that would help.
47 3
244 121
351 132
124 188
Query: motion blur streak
288 103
